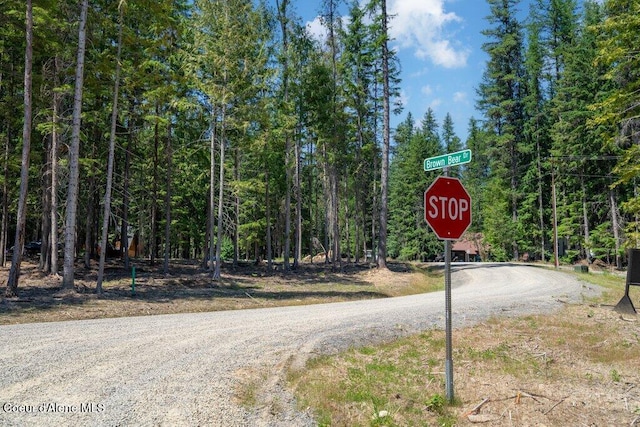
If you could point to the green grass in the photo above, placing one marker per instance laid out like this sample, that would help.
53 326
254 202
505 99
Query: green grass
613 286
405 378
397 380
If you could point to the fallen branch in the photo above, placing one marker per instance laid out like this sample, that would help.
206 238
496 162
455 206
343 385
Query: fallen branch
521 394
533 396
477 408
556 404
247 294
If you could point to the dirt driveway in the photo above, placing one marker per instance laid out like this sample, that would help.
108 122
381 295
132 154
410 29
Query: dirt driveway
187 369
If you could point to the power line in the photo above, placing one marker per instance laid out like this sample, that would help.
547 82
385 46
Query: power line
594 158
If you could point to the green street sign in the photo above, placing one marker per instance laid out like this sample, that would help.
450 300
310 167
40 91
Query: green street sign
446 160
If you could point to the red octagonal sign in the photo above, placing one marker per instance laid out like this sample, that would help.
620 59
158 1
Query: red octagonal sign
447 208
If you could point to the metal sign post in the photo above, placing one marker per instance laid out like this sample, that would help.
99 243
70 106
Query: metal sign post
447 210
448 362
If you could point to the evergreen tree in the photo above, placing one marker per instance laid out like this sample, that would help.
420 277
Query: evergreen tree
14 272
450 142
357 68
501 100
557 22
112 143
410 236
617 118
430 135
379 9
12 50
333 147
577 151
289 130
475 175
400 219
74 155
536 185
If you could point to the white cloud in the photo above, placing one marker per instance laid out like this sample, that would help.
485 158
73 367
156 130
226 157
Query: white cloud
460 97
426 90
404 97
420 25
316 29
420 73
435 103
319 31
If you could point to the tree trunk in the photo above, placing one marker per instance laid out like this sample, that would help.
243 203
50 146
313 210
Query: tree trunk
154 202
336 258
124 232
112 148
74 157
5 201
384 167
615 224
514 198
3 224
554 207
287 205
540 201
585 219
44 264
375 208
54 170
297 256
359 212
212 192
346 215
282 17
14 272
267 201
217 273
333 209
167 203
236 219
327 200
375 184
91 226
313 215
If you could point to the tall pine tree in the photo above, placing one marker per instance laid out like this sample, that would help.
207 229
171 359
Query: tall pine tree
501 100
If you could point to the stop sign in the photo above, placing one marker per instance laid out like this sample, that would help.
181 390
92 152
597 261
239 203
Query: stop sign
447 208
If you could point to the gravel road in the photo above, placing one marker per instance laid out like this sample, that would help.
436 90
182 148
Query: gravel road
186 369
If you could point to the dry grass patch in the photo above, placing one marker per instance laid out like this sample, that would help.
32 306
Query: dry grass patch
580 366
188 288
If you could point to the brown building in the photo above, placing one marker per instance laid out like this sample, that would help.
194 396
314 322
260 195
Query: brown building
465 251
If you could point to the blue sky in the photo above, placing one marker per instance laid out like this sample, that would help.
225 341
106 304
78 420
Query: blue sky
439 45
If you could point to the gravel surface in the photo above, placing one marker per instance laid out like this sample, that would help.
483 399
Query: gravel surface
188 369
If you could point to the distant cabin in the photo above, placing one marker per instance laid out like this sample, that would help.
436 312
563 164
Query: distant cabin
465 251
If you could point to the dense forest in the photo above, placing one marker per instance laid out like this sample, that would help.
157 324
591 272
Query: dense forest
221 130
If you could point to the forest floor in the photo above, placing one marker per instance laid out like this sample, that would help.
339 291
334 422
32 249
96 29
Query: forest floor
189 288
